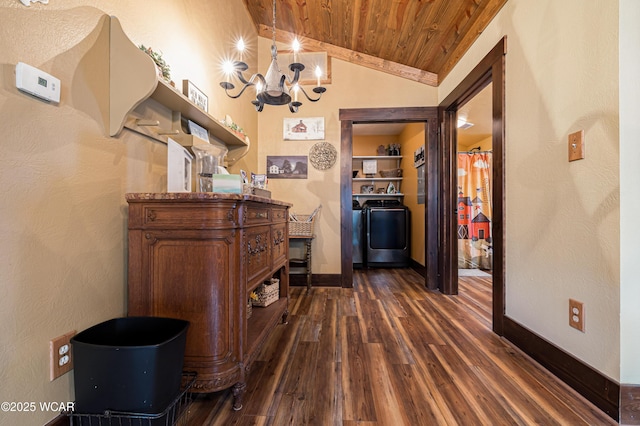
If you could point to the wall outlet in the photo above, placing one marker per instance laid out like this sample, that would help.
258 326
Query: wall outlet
60 358
576 315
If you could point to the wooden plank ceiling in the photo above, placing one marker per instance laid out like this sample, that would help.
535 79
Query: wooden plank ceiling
420 40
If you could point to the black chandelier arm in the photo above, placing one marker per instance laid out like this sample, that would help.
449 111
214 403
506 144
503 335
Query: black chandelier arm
319 90
259 105
293 106
229 86
297 69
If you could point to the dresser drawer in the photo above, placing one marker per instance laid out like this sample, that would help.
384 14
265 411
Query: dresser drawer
279 215
253 215
182 216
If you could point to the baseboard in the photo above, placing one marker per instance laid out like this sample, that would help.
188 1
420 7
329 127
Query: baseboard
630 404
601 391
420 269
318 280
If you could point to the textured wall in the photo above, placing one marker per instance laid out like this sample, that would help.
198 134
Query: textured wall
562 219
63 227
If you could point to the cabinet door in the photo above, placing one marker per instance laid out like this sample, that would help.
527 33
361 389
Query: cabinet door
193 275
280 241
257 247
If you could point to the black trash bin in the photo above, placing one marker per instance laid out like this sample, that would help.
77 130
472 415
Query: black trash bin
131 364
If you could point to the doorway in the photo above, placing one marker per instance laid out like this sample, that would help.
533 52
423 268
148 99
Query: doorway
488 73
427 116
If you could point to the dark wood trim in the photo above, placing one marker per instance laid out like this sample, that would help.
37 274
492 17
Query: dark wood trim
428 115
420 269
630 404
601 391
491 69
346 220
317 280
59 420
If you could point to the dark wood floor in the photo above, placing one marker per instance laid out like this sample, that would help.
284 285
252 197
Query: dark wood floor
388 352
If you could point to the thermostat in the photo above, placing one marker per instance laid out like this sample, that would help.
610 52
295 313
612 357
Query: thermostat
37 83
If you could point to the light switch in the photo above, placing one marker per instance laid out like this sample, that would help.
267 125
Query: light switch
576 146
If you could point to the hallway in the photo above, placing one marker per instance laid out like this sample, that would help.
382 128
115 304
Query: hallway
387 352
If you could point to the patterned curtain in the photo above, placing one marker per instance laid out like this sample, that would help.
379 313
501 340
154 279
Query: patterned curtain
474 210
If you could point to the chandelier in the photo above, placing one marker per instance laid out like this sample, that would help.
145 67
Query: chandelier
274 88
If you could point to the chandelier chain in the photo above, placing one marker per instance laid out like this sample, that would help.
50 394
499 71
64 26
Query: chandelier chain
273 27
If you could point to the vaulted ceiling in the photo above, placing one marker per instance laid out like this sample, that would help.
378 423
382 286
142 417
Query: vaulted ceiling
420 40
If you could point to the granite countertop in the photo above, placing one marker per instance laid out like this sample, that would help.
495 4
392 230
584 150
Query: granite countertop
199 196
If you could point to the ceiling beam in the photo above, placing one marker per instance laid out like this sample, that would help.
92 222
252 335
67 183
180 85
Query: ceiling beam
354 57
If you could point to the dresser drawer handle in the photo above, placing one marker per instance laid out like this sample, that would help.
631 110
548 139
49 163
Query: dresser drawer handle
262 215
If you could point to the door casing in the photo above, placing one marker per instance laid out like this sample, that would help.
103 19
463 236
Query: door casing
491 69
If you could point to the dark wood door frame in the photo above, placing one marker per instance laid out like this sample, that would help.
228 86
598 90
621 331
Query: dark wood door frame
349 117
490 70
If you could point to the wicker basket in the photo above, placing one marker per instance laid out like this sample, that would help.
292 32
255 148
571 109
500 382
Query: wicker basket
391 173
301 227
268 293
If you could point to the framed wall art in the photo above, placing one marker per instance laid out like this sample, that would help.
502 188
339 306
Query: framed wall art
287 166
299 129
195 95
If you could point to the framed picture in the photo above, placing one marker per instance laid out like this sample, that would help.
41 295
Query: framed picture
195 95
198 131
178 167
287 166
366 189
299 129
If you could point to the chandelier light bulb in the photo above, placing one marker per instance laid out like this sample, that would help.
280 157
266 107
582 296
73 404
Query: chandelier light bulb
240 46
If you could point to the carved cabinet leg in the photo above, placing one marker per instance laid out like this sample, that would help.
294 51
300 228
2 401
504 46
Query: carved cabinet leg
285 315
238 393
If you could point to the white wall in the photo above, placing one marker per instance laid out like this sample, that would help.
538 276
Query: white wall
562 219
629 191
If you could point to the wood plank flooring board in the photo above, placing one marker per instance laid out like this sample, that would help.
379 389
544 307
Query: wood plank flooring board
385 396
417 403
370 319
486 405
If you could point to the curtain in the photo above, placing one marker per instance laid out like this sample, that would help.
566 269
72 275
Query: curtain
474 210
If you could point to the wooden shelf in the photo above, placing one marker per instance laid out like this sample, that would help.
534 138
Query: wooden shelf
398 194
133 78
177 102
261 323
376 179
377 157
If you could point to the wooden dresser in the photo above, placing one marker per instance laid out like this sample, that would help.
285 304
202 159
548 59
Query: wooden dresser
197 256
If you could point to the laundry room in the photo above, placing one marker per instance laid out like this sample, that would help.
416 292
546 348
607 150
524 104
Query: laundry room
388 225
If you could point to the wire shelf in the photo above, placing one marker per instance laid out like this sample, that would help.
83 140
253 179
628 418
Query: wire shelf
175 414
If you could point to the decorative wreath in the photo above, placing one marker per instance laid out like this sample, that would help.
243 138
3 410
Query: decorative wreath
323 155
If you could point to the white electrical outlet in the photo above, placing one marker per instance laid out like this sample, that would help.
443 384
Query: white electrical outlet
37 83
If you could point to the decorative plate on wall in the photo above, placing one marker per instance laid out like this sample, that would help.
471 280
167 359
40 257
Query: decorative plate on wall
322 155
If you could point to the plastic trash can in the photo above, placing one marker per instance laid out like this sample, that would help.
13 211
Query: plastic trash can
131 364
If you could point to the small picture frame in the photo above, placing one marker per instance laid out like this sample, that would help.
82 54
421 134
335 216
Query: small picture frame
195 95
299 129
366 189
